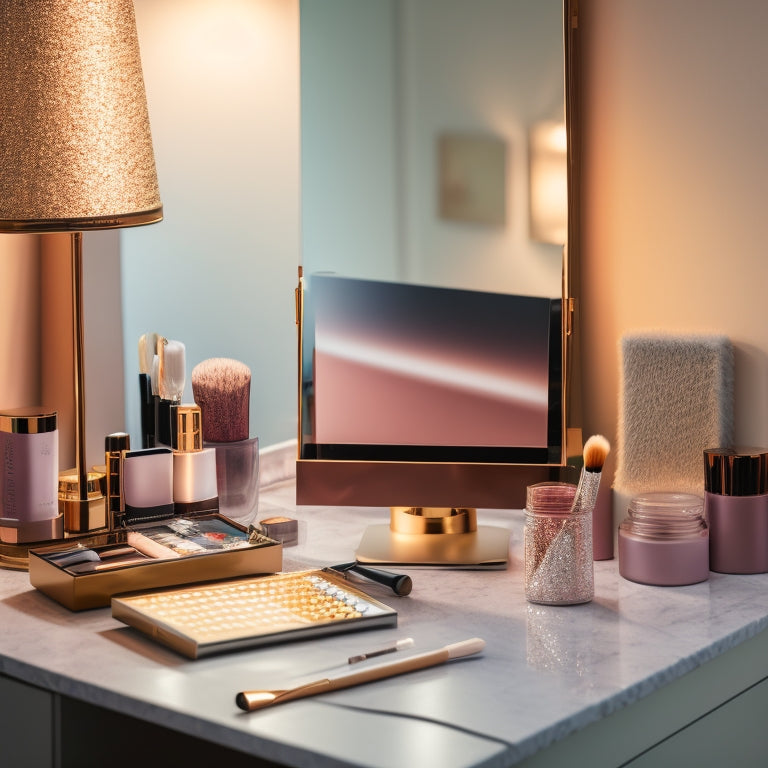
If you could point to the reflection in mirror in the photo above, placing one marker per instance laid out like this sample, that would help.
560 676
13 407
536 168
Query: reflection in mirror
421 120
417 373
435 157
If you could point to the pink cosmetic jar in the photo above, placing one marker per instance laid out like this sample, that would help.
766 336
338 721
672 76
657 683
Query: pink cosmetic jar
664 540
736 504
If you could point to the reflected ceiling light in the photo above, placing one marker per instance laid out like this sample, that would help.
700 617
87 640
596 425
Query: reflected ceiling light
548 181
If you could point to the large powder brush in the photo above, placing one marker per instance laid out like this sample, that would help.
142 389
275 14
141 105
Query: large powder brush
222 389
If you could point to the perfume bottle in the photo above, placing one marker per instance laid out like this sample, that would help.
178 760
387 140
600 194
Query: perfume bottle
194 467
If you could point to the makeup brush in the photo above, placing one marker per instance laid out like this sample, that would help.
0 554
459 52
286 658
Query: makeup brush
154 376
596 450
172 372
400 583
251 700
147 349
222 389
171 378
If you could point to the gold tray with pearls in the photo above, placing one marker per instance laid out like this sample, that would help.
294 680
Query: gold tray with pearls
205 619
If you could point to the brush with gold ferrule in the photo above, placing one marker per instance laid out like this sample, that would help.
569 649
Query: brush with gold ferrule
596 450
251 700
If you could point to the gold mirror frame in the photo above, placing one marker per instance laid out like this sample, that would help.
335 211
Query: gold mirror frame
361 483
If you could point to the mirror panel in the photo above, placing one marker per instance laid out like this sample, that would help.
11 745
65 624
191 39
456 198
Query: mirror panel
417 114
435 155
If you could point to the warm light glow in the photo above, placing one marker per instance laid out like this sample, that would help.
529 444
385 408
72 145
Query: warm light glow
549 183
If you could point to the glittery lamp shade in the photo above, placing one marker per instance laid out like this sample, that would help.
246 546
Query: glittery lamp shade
75 144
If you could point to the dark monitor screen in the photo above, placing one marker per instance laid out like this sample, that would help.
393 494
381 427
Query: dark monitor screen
402 372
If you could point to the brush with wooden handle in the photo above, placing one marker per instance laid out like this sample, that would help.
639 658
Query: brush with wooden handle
251 700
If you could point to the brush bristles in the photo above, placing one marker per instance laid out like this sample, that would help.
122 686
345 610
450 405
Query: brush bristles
147 351
154 376
596 450
222 389
172 369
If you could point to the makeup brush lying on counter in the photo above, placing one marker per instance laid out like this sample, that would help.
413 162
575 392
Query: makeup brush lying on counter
251 700
400 583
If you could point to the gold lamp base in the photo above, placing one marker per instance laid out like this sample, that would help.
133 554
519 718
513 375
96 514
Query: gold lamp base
435 537
80 519
83 512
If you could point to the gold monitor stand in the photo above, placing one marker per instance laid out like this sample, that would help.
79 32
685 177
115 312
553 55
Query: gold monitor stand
435 537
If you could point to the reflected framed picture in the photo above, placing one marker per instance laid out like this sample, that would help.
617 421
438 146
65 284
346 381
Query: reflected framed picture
472 183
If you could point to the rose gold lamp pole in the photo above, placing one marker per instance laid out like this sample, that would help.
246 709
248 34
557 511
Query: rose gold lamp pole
75 154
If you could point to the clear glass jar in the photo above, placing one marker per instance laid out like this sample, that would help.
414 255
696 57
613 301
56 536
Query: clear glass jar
559 568
664 540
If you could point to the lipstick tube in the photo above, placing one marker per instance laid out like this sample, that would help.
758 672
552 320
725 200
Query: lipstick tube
114 446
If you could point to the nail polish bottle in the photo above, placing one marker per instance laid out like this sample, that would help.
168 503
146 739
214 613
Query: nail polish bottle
194 467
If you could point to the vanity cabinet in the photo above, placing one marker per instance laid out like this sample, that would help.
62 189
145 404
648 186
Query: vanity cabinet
711 717
40 729
641 676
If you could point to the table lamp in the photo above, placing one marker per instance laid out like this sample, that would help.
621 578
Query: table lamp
75 155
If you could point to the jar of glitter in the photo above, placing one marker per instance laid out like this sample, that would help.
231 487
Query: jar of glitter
559 566
664 540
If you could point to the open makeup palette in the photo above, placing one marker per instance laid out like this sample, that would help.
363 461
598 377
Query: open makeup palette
174 551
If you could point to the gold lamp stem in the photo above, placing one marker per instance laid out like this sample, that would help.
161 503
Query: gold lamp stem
80 494
79 360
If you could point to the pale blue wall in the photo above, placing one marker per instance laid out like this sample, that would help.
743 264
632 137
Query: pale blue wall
219 272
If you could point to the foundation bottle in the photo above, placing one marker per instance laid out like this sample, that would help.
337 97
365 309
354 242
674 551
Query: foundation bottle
194 467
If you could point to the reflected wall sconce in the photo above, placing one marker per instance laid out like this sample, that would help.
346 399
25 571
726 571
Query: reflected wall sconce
75 155
548 180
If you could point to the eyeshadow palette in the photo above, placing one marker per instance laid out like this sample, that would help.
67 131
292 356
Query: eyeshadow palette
205 619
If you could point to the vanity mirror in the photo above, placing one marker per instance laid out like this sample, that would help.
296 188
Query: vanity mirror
437 298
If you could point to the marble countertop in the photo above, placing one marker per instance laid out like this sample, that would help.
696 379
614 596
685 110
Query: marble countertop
545 672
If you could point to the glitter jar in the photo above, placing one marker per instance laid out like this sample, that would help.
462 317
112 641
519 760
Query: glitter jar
664 540
559 567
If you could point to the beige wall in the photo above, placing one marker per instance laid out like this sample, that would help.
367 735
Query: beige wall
675 188
675 182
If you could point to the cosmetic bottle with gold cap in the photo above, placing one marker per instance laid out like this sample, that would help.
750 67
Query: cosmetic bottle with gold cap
29 449
114 446
194 467
736 506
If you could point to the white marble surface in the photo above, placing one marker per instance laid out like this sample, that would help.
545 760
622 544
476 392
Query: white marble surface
545 672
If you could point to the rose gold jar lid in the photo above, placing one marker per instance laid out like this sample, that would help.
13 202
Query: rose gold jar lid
736 471
28 421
